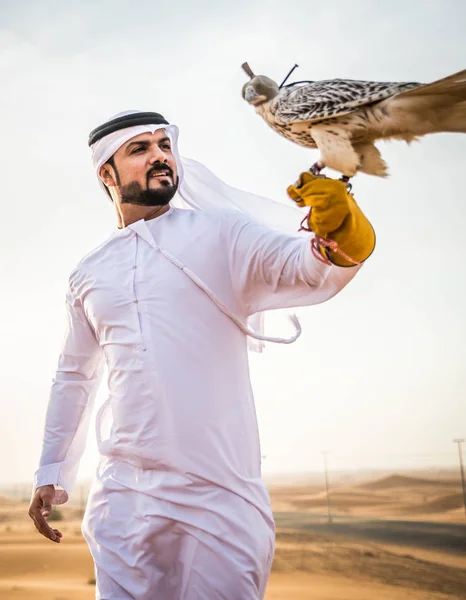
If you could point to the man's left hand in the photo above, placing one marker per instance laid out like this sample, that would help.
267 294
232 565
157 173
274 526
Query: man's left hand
335 216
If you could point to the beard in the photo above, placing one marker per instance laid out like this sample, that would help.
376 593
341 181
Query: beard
134 193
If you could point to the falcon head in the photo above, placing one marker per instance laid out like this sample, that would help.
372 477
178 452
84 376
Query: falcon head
259 89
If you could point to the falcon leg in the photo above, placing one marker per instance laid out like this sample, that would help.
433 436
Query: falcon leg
345 180
371 160
336 149
317 167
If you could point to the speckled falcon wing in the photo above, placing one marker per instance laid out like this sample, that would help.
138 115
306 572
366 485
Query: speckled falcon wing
321 100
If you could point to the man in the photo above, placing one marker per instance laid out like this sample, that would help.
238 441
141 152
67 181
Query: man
178 510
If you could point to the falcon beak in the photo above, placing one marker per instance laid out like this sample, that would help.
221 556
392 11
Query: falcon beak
250 95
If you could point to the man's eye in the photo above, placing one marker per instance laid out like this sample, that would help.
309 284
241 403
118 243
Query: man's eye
166 146
137 149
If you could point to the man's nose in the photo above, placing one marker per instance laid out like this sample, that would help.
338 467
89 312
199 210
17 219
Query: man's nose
157 155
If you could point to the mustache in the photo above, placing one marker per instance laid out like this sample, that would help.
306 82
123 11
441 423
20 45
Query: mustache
157 168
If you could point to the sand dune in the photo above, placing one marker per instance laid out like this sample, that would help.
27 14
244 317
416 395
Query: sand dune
343 500
403 481
442 504
317 566
393 496
394 538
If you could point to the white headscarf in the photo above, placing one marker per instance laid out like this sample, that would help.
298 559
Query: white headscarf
200 189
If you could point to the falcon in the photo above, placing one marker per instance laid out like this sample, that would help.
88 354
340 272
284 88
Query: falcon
343 118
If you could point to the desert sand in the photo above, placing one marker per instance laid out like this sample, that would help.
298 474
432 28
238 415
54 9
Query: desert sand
393 538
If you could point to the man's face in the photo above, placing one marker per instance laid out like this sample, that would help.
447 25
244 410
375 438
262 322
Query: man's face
144 170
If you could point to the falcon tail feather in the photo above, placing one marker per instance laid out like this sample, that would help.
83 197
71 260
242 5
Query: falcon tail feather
453 85
433 108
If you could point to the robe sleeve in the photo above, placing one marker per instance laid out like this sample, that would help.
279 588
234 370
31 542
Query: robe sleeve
271 270
72 396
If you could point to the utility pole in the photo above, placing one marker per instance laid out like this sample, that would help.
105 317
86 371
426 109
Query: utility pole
327 487
81 499
463 482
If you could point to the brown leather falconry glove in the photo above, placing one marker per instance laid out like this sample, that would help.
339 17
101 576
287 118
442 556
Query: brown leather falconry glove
347 236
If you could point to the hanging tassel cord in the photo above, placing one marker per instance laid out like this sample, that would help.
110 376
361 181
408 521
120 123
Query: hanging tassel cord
236 320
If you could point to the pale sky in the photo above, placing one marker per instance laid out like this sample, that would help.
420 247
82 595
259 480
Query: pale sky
378 377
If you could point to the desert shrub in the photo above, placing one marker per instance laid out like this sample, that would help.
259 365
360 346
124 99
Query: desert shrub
55 515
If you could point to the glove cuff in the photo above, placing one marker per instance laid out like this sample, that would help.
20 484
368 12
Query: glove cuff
355 239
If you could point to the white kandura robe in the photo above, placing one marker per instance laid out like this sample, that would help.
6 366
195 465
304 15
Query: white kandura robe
178 510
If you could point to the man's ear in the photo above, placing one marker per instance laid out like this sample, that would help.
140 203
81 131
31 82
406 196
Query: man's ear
107 176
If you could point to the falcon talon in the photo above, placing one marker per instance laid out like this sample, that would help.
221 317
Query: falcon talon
345 179
316 169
